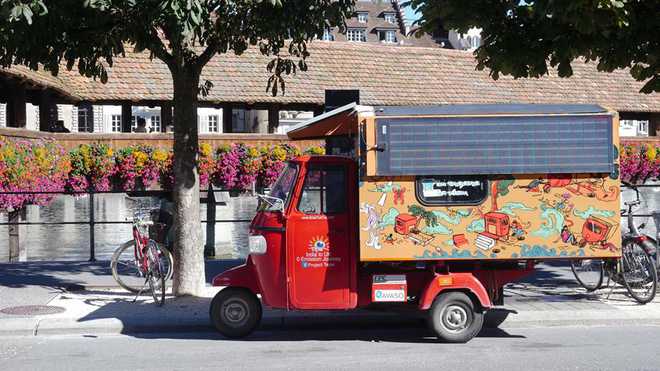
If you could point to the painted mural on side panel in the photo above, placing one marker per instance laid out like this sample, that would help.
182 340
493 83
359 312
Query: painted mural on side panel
472 217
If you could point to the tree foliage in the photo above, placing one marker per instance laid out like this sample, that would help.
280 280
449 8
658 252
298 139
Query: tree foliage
185 35
523 38
88 34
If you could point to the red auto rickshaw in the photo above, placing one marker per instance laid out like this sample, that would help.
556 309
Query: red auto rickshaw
334 231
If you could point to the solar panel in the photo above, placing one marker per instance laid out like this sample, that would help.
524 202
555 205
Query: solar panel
494 145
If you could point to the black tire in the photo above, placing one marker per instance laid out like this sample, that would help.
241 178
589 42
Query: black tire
126 271
454 319
156 277
588 273
235 312
638 272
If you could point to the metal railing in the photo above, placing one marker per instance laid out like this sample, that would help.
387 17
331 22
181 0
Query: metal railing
13 217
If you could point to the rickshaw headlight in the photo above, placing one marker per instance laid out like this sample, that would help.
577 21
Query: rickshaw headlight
257 244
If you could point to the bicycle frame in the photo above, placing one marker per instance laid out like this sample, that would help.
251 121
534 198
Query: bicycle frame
141 239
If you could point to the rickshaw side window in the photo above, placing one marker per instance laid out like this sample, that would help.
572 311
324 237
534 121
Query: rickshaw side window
324 191
282 187
451 190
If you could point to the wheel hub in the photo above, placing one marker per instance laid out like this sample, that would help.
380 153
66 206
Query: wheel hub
454 318
236 312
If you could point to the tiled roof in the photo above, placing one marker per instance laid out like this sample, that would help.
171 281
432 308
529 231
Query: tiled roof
385 75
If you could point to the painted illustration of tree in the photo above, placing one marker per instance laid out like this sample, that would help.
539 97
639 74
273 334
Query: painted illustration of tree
420 213
498 188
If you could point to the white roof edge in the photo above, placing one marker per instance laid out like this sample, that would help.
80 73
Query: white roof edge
351 106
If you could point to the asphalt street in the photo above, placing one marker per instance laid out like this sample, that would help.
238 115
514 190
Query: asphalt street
367 348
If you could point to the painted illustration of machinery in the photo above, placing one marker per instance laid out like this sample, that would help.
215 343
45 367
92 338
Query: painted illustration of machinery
496 228
408 225
595 233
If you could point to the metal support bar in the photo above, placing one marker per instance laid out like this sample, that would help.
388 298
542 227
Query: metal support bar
14 250
209 248
92 257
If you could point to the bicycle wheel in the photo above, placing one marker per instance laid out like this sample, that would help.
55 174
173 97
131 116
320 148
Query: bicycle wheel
638 272
156 275
588 273
167 260
126 268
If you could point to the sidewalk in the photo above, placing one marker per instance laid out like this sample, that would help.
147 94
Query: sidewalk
87 302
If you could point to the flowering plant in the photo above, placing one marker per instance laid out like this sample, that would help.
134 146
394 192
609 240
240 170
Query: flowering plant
91 164
25 166
138 167
639 162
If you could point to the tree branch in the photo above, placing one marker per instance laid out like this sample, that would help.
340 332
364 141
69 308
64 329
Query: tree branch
159 49
206 56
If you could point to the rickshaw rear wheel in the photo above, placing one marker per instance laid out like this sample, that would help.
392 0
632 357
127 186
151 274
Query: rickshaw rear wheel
235 312
453 317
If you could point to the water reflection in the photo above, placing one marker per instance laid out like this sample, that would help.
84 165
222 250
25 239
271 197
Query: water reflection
71 242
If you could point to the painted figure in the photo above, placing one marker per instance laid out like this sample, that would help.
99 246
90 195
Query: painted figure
372 225
567 236
399 193
518 230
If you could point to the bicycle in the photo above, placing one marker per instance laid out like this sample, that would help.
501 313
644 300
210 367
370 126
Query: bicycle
635 270
142 257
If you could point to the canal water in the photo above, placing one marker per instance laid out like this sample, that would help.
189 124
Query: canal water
71 242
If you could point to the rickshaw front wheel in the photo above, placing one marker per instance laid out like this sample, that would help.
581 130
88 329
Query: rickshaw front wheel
453 317
235 312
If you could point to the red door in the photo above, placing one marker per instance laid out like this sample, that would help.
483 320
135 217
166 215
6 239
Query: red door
319 240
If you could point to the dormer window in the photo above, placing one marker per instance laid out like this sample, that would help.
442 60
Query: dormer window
388 36
356 35
390 18
327 35
362 17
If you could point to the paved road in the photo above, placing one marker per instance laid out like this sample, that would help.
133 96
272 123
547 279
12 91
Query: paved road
369 348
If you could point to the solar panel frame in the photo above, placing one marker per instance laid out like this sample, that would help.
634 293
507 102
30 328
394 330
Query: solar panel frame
469 145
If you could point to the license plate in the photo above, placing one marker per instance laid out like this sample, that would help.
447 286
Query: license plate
389 288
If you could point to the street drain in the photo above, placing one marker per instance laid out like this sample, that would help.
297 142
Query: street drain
32 310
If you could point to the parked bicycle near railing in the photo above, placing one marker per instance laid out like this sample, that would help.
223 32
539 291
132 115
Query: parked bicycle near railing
635 270
142 258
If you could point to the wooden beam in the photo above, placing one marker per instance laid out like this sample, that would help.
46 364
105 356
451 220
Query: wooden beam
47 110
126 114
165 116
227 118
16 114
273 119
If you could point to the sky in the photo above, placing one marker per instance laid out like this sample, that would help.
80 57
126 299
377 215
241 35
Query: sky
410 15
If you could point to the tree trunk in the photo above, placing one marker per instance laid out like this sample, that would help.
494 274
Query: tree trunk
189 278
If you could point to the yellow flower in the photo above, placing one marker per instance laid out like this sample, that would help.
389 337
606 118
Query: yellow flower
279 153
110 152
205 149
159 155
651 152
253 152
140 158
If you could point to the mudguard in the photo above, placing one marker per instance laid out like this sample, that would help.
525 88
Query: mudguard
241 276
454 282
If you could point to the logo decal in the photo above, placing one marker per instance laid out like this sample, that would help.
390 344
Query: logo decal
319 243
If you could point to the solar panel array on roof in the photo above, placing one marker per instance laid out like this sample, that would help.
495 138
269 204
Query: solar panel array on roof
494 145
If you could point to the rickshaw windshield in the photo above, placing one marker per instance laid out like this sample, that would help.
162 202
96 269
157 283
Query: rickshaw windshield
281 188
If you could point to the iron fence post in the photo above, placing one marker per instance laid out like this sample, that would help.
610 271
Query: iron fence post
209 247
92 257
